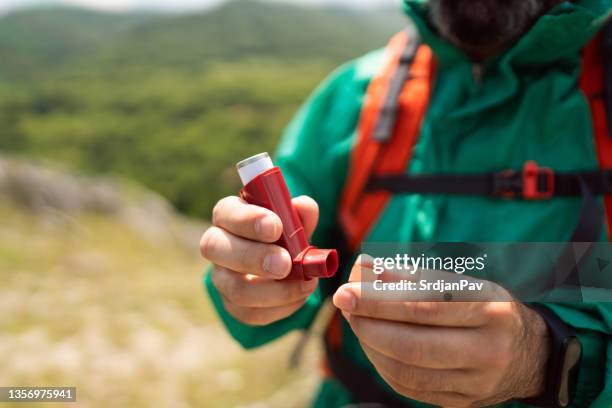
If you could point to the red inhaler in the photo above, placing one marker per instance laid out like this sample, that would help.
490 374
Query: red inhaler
264 185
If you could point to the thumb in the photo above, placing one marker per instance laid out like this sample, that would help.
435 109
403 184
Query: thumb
308 210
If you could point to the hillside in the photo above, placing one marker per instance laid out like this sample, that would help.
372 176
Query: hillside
171 101
50 38
246 28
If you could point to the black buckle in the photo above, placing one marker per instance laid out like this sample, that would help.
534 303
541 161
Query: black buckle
507 184
533 183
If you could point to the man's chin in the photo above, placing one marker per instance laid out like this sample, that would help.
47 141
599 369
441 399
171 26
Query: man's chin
482 28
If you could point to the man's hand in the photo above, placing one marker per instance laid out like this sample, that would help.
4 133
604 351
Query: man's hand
452 354
247 265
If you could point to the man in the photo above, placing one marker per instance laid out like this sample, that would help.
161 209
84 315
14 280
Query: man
505 92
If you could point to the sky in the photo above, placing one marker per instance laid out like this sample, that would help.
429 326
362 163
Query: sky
167 5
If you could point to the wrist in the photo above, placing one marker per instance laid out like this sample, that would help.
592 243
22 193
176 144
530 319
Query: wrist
535 350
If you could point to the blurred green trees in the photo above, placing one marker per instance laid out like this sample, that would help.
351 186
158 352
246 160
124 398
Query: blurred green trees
170 101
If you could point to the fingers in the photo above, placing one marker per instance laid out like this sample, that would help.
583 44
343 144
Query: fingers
261 316
238 254
308 210
349 298
245 220
362 261
418 378
243 291
256 223
247 263
422 346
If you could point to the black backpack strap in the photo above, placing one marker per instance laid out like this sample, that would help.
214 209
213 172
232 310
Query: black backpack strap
531 183
360 383
606 45
566 272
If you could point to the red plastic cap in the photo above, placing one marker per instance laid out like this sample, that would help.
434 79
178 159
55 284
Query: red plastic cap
320 263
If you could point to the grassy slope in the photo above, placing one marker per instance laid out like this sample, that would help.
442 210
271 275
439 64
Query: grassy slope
85 301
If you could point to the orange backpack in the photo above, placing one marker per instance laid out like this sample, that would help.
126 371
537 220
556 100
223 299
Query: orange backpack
395 105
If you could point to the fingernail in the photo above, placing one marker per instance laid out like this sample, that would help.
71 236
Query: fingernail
309 285
345 300
274 264
265 228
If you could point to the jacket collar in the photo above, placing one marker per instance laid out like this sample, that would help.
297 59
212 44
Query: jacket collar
556 37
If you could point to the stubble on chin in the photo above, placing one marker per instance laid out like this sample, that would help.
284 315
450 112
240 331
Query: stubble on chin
483 26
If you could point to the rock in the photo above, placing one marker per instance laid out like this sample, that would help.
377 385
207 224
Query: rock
58 195
41 189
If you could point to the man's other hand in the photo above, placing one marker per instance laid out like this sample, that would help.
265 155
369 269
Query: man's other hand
452 354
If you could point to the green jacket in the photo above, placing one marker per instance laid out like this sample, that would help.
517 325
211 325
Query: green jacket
523 108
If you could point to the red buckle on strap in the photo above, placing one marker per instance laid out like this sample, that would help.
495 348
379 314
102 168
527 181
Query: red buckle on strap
531 182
